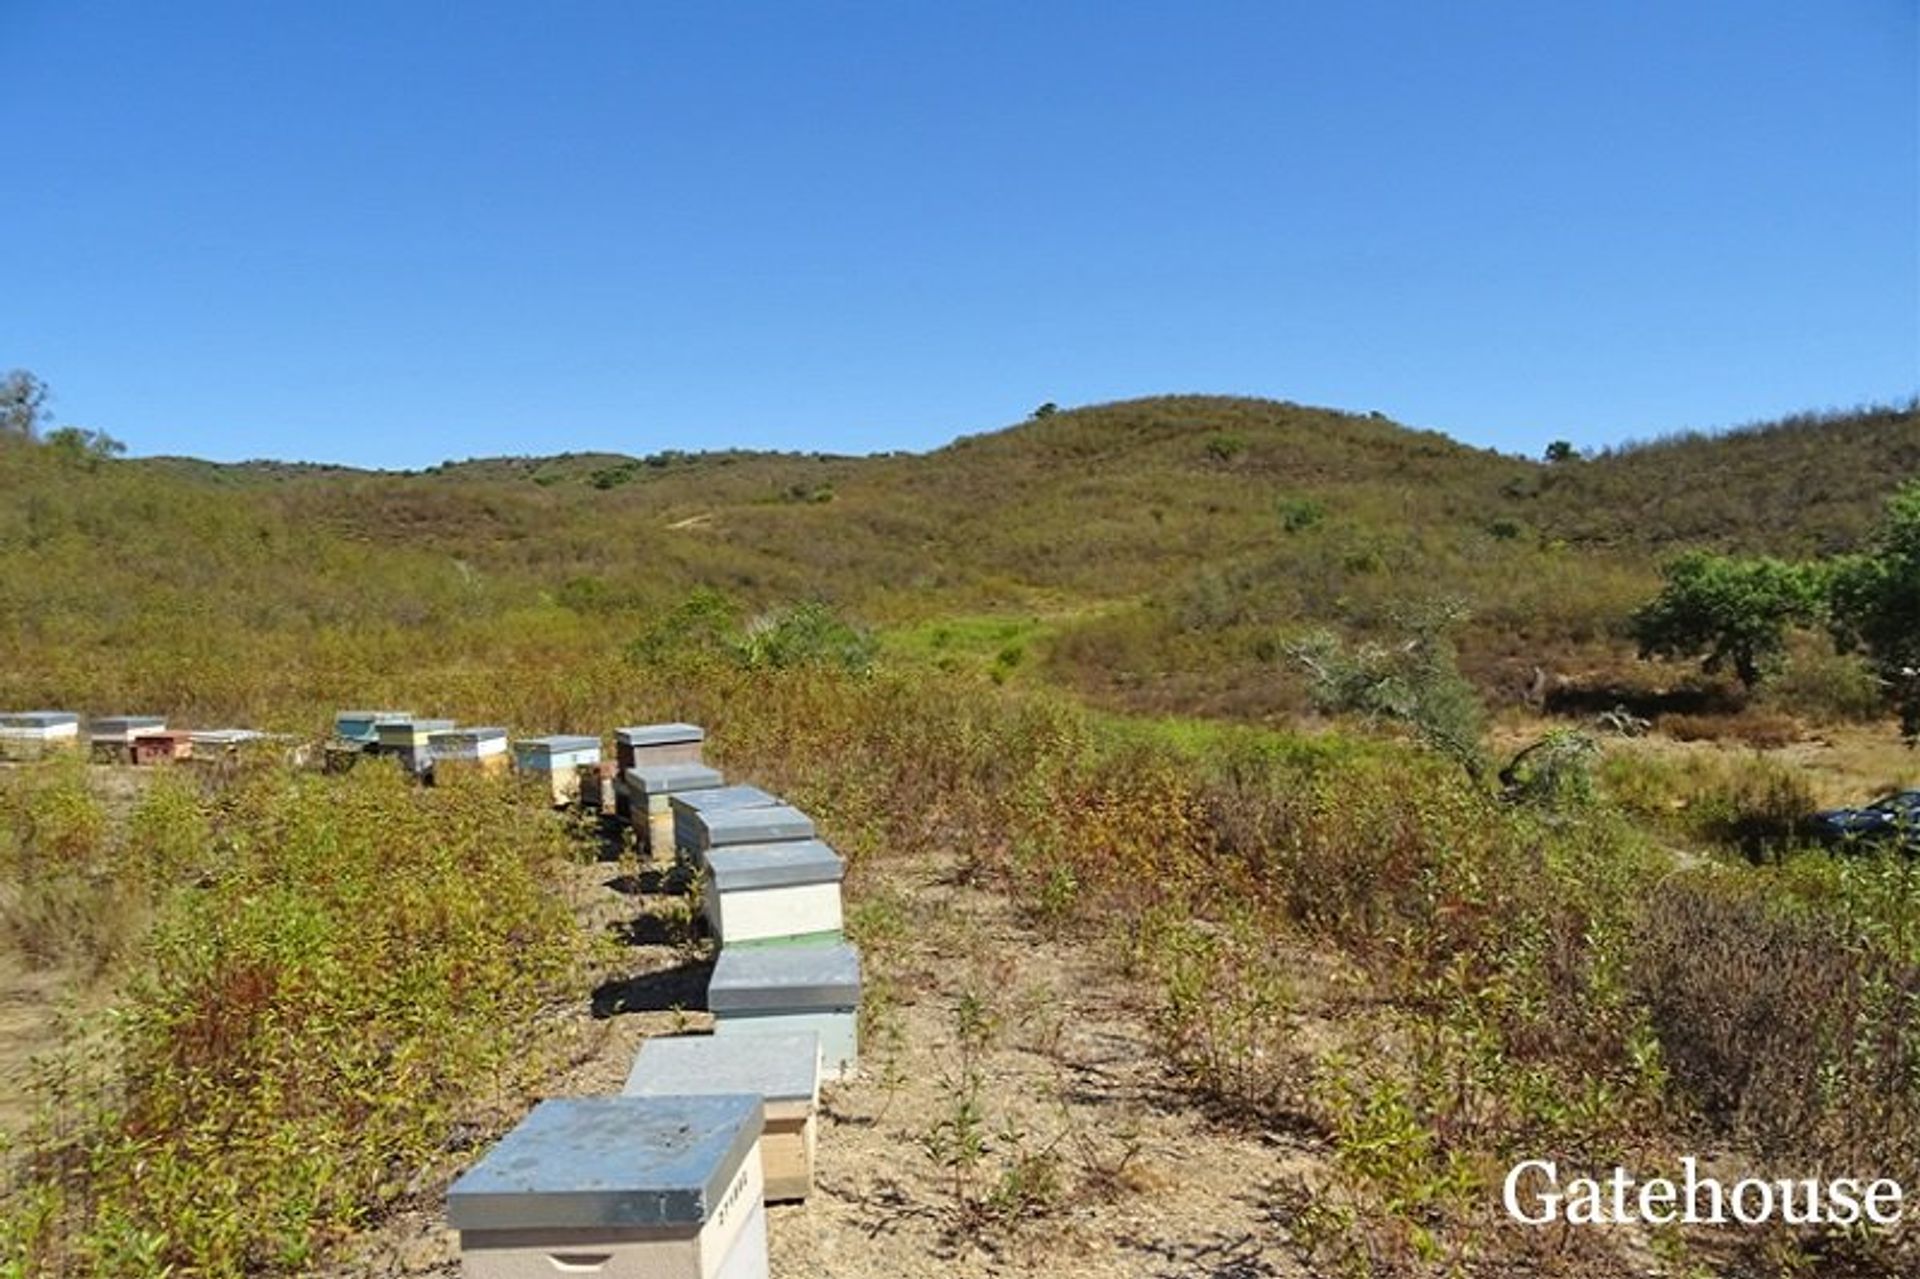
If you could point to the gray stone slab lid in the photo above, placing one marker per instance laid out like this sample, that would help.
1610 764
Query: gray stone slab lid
671 779
740 868
761 979
127 723
559 744
782 1067
720 797
38 719
660 734
610 1163
753 826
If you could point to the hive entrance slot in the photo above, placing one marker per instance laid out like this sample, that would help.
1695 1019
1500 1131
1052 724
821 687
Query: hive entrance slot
579 1263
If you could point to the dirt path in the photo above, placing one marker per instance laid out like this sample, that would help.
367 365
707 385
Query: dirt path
1126 1180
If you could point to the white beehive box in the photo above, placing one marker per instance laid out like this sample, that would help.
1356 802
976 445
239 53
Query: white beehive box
620 1187
783 1070
32 734
481 749
557 761
761 990
645 745
760 894
410 740
649 792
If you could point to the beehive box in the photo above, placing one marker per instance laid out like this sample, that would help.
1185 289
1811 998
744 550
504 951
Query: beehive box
621 1187
159 748
556 761
687 805
782 1070
410 741
364 726
482 750
111 737
722 828
597 786
650 792
763 990
645 745
762 894
33 734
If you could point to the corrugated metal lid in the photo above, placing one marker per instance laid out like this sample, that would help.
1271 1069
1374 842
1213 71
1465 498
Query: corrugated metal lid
780 1067
792 978
660 734
610 1163
742 868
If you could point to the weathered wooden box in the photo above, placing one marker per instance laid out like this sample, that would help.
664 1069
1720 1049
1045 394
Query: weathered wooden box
163 747
644 745
687 808
619 1187
556 762
33 734
650 791
111 737
597 789
759 990
364 726
782 1070
761 894
481 750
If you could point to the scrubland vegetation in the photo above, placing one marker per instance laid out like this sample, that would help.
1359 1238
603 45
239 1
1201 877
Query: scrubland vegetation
319 982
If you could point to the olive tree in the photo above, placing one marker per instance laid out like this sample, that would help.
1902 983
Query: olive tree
1729 612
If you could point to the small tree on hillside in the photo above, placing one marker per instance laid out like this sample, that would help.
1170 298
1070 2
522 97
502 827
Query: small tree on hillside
1875 605
1561 451
23 403
1729 612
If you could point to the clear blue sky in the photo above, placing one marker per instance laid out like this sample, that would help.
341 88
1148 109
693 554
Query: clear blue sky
390 233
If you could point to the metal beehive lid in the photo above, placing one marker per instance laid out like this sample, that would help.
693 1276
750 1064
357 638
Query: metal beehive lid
793 978
720 797
453 735
670 779
37 719
225 736
127 723
558 744
413 727
742 868
371 718
610 1163
782 1067
732 826
660 734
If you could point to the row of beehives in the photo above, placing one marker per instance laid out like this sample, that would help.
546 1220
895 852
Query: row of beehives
121 739
671 1178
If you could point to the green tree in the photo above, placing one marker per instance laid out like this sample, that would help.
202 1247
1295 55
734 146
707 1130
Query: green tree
83 448
1874 605
23 403
1561 451
1728 612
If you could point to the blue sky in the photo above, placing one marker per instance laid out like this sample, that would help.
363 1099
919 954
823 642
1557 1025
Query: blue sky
391 233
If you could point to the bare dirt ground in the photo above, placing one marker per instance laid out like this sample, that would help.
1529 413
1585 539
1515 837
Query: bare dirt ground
1143 1186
